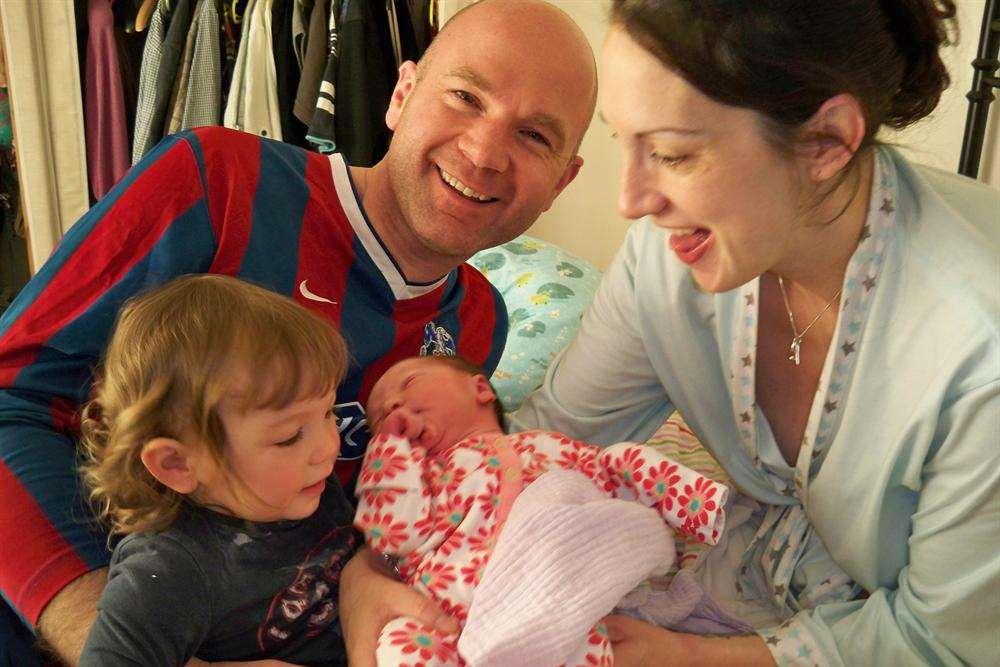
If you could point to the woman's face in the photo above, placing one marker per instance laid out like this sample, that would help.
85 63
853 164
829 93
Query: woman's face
699 168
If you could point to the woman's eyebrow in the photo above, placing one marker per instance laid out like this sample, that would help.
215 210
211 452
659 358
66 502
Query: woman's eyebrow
656 130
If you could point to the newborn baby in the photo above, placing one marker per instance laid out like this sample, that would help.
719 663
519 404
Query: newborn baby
439 483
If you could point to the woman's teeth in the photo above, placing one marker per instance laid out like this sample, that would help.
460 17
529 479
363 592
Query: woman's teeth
462 188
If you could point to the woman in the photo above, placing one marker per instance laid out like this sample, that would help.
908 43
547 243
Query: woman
823 313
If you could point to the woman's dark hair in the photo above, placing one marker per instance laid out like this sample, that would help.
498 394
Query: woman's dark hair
784 58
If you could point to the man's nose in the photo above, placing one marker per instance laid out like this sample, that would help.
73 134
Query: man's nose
638 194
484 144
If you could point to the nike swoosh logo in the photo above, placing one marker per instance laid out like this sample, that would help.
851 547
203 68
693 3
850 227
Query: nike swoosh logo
304 291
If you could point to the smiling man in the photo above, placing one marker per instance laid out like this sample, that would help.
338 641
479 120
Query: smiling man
486 129
486 133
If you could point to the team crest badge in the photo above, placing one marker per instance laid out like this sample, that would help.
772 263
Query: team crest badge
353 427
437 342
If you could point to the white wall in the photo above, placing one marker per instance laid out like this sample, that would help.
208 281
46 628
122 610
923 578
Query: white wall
584 218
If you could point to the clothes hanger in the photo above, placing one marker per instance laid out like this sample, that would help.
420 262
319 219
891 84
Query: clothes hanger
143 15
234 12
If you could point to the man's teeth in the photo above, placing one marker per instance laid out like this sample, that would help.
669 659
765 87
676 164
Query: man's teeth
683 231
462 187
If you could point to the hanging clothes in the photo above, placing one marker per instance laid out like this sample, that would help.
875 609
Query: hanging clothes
252 105
287 69
175 108
104 102
130 43
168 30
203 89
322 129
366 73
313 62
14 272
425 22
300 23
272 68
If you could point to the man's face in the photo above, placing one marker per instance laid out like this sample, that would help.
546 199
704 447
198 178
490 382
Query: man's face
485 138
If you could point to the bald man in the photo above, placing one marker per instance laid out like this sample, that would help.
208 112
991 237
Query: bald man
486 130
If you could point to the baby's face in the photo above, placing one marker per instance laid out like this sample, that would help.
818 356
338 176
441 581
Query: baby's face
441 398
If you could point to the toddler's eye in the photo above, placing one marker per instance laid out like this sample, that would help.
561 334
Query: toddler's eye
290 441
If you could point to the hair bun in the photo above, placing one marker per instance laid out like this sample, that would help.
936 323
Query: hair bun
919 29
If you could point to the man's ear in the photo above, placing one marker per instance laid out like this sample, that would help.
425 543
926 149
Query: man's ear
572 169
172 463
404 86
484 391
840 125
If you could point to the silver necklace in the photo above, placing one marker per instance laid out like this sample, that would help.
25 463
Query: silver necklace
797 336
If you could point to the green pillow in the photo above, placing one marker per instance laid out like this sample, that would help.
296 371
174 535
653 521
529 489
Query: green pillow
546 290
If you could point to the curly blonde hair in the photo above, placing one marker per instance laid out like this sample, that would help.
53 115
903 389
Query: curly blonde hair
175 353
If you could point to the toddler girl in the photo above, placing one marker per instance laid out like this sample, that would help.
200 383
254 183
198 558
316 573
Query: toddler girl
209 446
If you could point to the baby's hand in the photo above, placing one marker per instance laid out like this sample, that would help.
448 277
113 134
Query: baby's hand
404 423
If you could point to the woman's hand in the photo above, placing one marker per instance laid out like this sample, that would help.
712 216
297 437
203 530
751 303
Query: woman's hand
370 598
195 662
637 643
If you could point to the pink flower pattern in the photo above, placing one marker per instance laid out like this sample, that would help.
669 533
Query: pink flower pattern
437 577
382 532
696 502
629 467
381 497
383 463
661 484
445 515
416 639
489 499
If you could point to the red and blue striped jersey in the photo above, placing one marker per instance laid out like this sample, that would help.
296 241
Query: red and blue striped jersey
217 201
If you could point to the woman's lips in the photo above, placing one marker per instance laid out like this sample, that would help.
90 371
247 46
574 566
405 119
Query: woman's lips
691 247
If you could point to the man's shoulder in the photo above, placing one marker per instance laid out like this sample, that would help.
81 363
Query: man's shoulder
473 277
216 144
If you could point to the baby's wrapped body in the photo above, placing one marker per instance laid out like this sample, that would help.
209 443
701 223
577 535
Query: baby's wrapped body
441 515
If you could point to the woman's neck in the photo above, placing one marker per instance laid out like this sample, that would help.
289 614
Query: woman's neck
828 237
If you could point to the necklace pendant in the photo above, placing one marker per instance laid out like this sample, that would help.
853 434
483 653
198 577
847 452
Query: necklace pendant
793 351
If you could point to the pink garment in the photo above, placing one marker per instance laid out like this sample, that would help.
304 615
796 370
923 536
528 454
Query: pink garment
107 136
530 608
439 513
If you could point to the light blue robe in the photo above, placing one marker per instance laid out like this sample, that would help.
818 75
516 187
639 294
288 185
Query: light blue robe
904 494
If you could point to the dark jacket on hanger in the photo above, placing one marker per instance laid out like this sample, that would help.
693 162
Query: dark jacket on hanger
366 76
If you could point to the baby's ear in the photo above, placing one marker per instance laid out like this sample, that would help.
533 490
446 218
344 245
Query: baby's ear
171 462
484 391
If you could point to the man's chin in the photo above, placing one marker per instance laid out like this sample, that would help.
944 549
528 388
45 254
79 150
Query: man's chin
452 248
461 244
